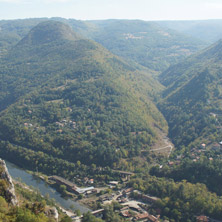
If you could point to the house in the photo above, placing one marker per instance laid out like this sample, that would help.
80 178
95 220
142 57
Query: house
170 163
127 191
152 218
126 214
142 216
203 146
113 183
148 217
202 218
91 181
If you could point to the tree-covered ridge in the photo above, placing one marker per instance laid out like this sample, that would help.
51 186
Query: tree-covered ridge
77 101
146 43
180 201
192 99
206 171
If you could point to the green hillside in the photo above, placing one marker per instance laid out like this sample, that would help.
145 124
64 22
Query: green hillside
71 99
146 43
192 99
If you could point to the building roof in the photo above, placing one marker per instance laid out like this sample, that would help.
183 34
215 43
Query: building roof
141 216
202 218
114 182
62 180
83 190
152 218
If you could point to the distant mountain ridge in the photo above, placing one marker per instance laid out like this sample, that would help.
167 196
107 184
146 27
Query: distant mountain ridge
206 30
144 43
49 31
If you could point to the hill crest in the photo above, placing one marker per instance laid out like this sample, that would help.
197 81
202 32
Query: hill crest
49 31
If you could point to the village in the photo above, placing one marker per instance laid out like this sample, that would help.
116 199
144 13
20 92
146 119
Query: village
133 203
195 153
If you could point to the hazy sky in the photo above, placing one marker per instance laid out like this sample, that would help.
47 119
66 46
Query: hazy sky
106 9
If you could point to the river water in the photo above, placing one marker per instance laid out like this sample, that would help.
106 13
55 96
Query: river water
43 187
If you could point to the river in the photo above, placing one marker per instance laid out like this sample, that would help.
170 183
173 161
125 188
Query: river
44 188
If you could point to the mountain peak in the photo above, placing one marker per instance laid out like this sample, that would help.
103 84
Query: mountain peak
49 31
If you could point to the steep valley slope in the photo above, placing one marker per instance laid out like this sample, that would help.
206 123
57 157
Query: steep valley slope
66 99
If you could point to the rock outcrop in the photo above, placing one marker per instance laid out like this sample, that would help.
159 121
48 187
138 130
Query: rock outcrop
52 212
10 192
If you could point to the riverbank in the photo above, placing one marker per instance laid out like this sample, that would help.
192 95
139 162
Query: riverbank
24 186
45 190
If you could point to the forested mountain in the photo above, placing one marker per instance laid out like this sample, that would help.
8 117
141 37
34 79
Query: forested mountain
145 43
192 99
11 32
206 30
69 107
68 98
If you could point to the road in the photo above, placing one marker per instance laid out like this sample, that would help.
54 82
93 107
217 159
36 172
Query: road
165 147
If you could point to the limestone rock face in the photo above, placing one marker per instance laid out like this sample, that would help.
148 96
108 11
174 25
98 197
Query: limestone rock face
10 192
52 212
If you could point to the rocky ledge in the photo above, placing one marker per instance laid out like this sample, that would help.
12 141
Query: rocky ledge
10 192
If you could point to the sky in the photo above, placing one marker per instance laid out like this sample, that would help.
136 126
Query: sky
113 9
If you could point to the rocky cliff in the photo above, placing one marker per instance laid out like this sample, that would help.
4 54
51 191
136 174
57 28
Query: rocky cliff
10 192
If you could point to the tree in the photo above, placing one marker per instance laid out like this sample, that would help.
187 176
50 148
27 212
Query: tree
78 212
88 217
62 188
66 219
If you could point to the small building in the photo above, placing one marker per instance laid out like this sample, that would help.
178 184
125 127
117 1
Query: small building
152 218
113 183
203 146
126 214
140 217
84 190
127 191
202 218
147 217
170 163
91 181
